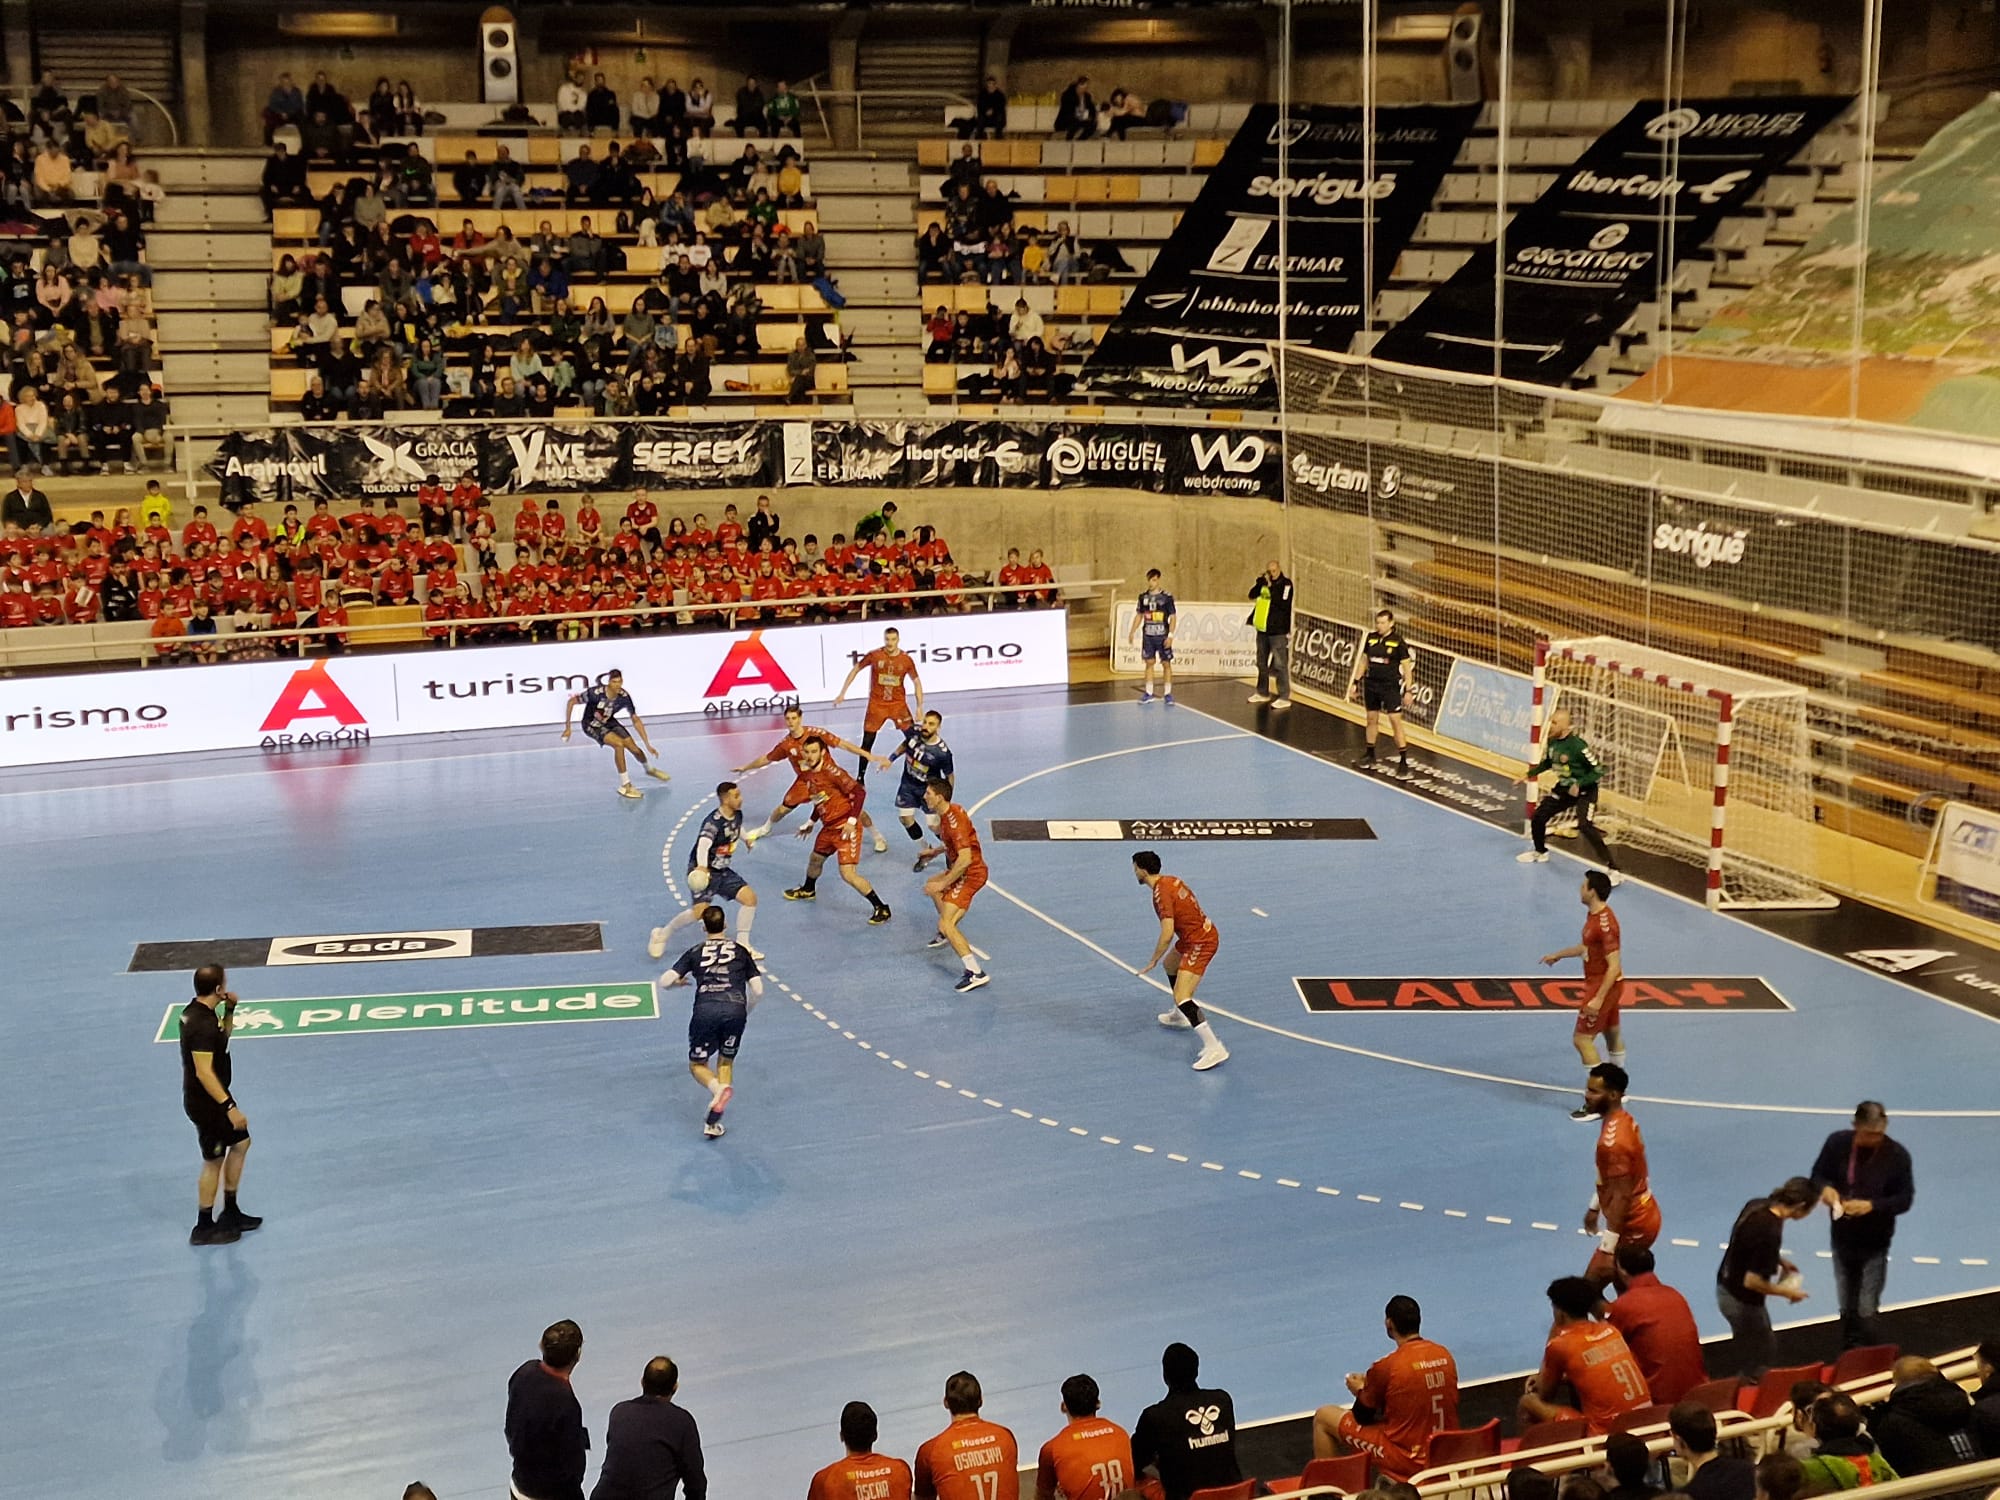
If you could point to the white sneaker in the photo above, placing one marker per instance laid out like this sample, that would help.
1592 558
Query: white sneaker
1260 697
1617 876
1174 1020
657 774
629 790
756 954
1210 1057
1532 857
656 945
1281 703
881 844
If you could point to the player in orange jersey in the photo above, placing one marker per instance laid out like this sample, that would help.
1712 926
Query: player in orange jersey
889 666
1603 977
1407 1397
953 887
1586 1360
836 798
1091 1458
791 750
863 1474
1188 941
1623 1203
972 1459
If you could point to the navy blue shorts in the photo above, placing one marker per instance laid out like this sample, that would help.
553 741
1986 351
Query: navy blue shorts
723 885
607 729
1152 649
910 794
716 1026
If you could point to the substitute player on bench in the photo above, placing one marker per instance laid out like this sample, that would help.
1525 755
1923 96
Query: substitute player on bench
1623 1204
953 887
889 667
837 800
602 704
1603 979
791 750
710 881
725 982
924 755
1407 1397
1188 941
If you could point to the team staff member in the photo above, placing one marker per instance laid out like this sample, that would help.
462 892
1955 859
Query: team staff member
725 982
1578 775
1865 1180
863 1474
889 667
1603 979
206 1024
1383 669
1658 1325
545 1432
1271 618
972 1459
1408 1396
1188 1437
1588 1358
1754 1268
953 887
652 1446
1153 622
1091 1458
1623 1211
1188 942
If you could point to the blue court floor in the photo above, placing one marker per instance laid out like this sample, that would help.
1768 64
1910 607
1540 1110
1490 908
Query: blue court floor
1026 1182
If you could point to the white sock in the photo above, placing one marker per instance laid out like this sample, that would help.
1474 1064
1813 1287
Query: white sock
1207 1035
1618 1058
624 778
971 962
716 1088
685 917
745 915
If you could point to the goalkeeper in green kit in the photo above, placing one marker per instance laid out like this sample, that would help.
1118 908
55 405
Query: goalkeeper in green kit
1577 775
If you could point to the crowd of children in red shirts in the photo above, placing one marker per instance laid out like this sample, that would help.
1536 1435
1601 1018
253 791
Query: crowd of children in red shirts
306 571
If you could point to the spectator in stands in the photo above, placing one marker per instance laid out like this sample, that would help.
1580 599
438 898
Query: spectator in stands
284 180
990 112
570 106
700 109
801 370
1126 110
938 331
1630 1462
1076 111
585 252
284 106
1187 1456
72 438
1658 1326
544 1424
1025 324
320 139
1843 1457
31 430
427 375
468 179
750 106
1754 1268
149 426
50 105
26 506
781 113
937 257
509 181
1926 1424
1710 1476
580 175
600 105
55 178
317 405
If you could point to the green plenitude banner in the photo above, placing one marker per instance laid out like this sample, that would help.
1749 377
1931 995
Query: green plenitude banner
435 1010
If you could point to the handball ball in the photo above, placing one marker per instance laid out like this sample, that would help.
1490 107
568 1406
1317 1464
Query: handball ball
697 880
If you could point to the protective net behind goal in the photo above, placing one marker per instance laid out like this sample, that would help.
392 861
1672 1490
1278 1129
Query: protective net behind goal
1700 763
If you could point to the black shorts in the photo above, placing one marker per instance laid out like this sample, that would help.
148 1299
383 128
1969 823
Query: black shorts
716 1026
1382 697
217 1135
602 732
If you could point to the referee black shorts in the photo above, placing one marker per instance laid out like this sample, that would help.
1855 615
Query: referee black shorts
217 1135
1382 697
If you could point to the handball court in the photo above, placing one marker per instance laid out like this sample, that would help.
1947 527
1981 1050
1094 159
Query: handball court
1025 1181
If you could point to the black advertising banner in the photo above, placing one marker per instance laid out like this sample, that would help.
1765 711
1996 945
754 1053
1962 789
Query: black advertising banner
708 455
1607 235
396 460
1220 460
280 466
537 458
1196 329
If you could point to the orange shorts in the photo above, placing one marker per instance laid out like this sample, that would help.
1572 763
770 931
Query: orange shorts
1605 1020
1642 1227
961 891
880 713
842 838
1373 1441
1194 957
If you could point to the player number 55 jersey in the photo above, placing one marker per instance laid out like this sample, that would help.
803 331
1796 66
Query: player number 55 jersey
720 969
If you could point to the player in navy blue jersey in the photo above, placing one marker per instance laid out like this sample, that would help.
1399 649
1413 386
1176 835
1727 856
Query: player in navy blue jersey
1153 622
924 754
710 880
602 704
725 981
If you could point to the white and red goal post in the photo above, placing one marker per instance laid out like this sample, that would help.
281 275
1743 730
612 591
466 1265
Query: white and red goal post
1706 764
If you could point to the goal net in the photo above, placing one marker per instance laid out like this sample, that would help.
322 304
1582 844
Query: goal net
1701 763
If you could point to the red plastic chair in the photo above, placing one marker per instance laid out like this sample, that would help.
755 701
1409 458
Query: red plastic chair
1645 1416
1464 1444
1241 1491
1859 1364
1774 1390
1716 1395
1349 1472
1548 1434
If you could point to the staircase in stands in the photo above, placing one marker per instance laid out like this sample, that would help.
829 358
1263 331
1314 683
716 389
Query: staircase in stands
926 65
865 205
142 59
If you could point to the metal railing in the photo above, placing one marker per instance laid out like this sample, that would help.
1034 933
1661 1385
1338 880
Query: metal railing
858 100
23 95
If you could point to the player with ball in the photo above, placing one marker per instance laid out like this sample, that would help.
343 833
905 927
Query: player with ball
710 881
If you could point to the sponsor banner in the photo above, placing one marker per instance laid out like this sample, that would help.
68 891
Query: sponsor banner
237 705
435 1010
1610 231
1967 858
367 947
578 456
1175 830
388 461
1197 329
712 455
1323 656
1488 707
1536 995
1210 639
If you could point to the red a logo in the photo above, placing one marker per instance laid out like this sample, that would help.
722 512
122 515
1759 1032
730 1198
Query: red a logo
313 694
750 663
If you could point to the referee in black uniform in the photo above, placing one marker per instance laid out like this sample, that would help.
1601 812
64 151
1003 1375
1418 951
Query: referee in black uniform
1382 668
206 1022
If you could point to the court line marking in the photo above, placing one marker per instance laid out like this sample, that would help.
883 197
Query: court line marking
1844 1113
1334 765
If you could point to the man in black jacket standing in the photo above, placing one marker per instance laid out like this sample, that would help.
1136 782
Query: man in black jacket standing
1188 1438
651 1445
1865 1180
1271 618
545 1432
